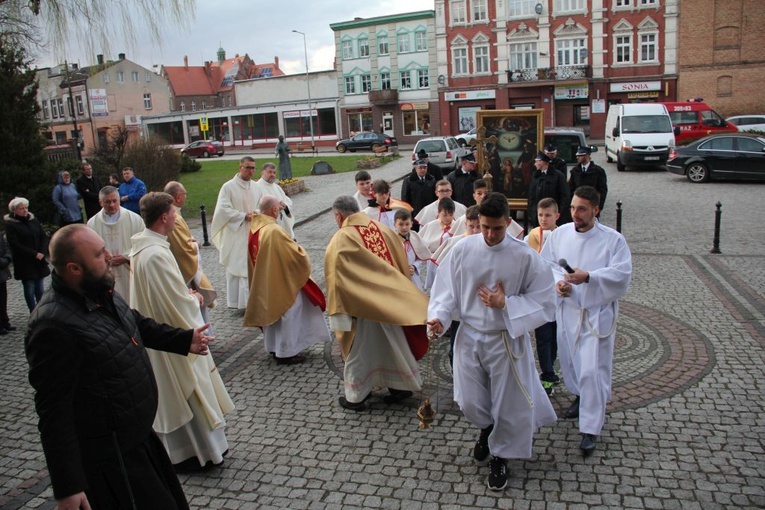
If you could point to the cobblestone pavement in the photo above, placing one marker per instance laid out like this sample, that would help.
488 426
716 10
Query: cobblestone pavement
685 428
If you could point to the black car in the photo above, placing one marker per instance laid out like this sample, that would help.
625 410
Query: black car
369 141
727 155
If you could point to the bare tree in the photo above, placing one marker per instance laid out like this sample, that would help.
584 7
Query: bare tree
89 23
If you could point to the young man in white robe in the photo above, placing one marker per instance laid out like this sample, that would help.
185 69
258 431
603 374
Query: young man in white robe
116 225
284 300
499 289
268 186
430 211
230 229
383 208
192 397
363 189
600 266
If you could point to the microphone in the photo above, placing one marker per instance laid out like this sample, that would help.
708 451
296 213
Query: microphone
562 263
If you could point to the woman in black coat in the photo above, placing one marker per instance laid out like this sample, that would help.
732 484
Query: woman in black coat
29 246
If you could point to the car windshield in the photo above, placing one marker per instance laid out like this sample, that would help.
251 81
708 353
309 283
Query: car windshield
646 124
431 146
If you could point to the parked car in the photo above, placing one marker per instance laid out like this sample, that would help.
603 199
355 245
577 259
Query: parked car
695 119
203 148
464 139
733 156
443 151
748 122
365 141
567 140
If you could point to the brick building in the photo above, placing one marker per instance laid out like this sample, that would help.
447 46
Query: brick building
385 69
720 55
571 58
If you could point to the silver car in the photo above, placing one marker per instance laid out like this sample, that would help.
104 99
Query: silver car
443 151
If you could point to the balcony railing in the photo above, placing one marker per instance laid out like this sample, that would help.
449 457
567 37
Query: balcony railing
383 97
548 73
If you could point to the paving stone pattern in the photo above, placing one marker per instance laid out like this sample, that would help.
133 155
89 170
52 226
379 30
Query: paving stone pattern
684 430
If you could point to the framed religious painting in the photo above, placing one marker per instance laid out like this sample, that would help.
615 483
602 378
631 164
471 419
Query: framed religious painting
508 142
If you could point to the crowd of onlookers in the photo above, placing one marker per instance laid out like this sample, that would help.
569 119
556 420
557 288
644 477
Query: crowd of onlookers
25 242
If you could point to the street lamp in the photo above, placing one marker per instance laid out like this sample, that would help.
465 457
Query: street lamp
308 87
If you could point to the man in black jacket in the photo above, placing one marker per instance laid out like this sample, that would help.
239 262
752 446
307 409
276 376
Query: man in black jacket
433 169
418 188
555 162
88 186
95 390
547 182
587 173
462 180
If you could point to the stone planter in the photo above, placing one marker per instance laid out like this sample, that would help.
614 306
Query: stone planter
294 187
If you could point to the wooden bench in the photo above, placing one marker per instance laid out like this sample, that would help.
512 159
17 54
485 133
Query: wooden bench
301 147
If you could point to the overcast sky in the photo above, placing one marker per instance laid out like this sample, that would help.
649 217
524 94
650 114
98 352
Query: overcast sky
262 29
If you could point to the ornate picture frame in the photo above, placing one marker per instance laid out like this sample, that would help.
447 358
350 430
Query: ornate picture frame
508 142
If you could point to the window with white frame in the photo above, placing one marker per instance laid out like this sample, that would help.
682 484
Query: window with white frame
147 76
522 8
120 77
571 52
61 108
648 47
623 47
405 79
80 105
458 12
421 41
481 59
350 85
385 81
147 101
382 45
622 4
134 76
69 106
347 49
53 109
403 42
648 2
422 79
46 112
523 55
459 61
363 47
480 10
366 82
562 6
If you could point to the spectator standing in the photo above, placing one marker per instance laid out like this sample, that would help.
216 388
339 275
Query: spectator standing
88 186
29 246
5 275
433 169
546 182
587 173
131 190
462 180
65 198
418 188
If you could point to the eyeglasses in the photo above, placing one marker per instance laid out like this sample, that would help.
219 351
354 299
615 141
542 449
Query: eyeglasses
443 191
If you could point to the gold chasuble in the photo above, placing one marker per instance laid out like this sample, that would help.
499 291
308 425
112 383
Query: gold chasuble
278 269
367 276
184 249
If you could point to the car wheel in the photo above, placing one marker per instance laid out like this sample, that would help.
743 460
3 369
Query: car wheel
341 148
375 146
609 158
205 154
697 172
619 165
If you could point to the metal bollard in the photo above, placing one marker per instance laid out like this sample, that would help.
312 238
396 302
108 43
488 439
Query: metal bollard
619 216
716 240
204 225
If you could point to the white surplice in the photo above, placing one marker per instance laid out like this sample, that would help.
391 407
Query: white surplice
116 232
430 212
587 319
513 229
495 379
384 217
417 254
301 326
230 234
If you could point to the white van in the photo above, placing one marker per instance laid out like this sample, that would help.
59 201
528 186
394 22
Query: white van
638 134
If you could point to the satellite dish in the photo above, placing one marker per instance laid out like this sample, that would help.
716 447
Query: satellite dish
538 8
441 79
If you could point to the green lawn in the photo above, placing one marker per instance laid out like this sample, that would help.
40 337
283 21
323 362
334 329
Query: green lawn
203 186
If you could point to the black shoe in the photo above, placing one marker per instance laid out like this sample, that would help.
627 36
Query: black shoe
354 406
292 360
481 449
191 465
497 474
397 396
588 444
573 410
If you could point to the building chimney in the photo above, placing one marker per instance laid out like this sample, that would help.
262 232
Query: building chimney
100 59
208 65
121 56
186 62
75 66
276 62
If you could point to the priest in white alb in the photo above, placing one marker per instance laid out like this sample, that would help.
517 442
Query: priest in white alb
500 289
597 275
268 186
116 225
230 229
192 398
